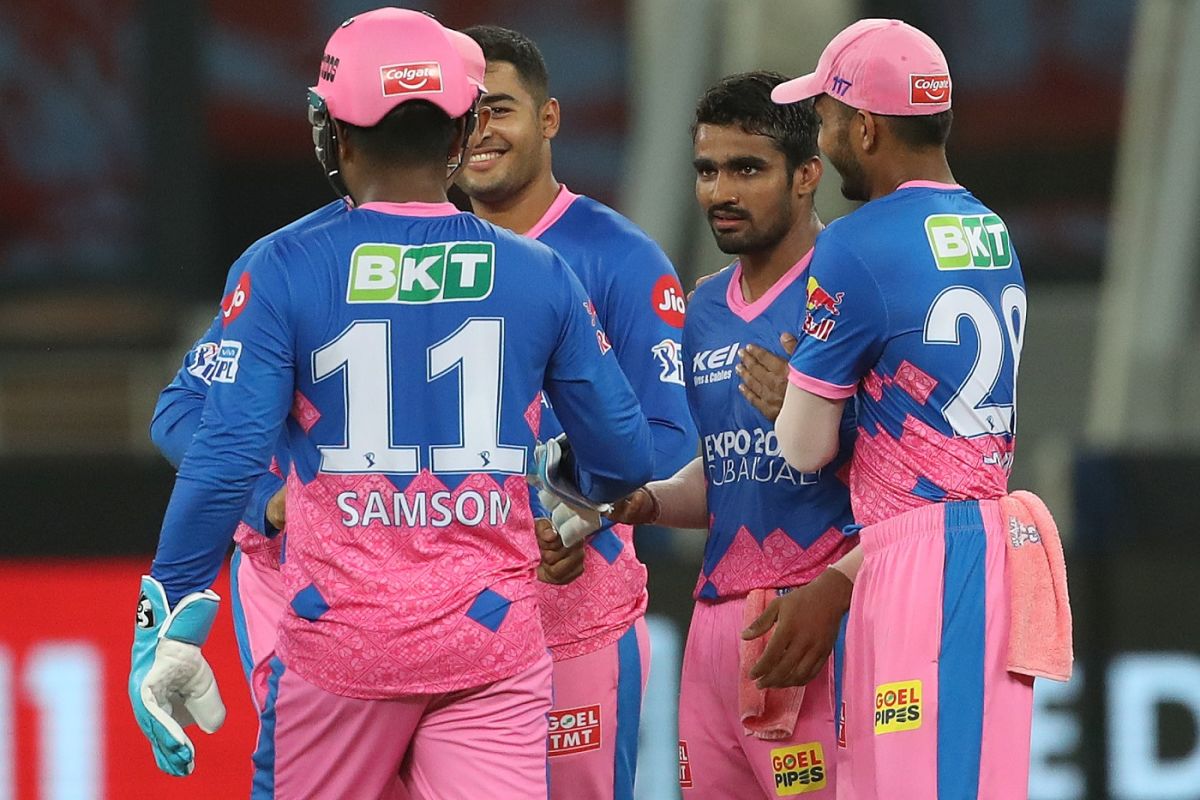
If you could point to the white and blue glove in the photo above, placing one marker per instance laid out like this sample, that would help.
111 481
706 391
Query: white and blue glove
171 686
574 516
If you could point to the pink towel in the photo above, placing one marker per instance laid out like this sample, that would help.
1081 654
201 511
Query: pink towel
765 713
1039 640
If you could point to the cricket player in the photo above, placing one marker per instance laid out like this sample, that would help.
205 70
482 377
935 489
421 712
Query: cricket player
595 626
916 311
403 346
770 527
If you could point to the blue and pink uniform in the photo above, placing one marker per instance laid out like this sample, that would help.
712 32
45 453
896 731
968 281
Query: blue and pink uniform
595 626
402 349
771 528
916 309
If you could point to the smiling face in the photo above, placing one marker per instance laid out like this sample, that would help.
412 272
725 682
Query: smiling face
515 146
744 187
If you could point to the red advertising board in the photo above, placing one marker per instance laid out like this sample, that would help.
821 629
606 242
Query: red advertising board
66 728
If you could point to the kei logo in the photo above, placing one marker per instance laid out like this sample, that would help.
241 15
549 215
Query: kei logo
670 361
235 302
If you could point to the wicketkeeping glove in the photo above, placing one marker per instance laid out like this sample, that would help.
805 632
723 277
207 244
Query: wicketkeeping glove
171 686
573 515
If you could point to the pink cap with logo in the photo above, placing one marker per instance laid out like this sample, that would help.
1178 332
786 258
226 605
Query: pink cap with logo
472 56
884 66
382 58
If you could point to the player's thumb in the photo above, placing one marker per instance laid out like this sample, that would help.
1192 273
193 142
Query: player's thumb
764 622
545 531
789 342
204 702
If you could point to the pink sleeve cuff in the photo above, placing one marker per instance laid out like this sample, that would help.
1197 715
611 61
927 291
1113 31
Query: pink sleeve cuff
830 391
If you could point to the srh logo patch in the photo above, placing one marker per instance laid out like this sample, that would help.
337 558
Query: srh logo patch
234 302
424 77
685 766
897 707
667 299
974 241
432 273
574 730
928 90
229 353
798 769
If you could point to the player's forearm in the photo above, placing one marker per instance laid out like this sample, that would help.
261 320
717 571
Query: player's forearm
850 563
176 418
682 500
608 469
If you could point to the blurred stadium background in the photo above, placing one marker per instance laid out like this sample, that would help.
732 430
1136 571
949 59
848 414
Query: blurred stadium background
145 144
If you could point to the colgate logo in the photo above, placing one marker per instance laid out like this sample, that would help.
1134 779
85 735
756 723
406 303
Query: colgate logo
425 76
929 89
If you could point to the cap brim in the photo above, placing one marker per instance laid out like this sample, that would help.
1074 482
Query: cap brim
798 89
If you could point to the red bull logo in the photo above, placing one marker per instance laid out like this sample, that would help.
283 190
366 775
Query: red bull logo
819 298
404 78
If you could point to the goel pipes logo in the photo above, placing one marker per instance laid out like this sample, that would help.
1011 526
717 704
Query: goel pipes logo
424 77
897 707
798 769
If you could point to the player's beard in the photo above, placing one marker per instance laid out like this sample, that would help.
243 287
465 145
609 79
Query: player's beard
757 238
497 186
854 178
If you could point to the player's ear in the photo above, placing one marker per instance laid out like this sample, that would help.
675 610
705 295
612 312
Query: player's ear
345 147
550 117
865 128
807 176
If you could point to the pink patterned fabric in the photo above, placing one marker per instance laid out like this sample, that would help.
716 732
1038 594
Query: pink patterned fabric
778 563
398 596
263 551
882 474
593 610
304 412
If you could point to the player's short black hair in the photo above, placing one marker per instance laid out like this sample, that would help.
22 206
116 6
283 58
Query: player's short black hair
745 100
504 44
922 131
412 133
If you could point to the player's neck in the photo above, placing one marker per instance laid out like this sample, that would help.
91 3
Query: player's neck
919 166
521 210
402 186
761 271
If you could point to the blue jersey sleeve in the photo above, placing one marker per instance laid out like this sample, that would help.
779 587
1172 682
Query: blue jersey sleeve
846 324
177 412
248 401
647 340
611 442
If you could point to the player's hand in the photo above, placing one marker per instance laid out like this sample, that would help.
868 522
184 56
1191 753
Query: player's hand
765 376
277 509
638 508
806 622
171 686
560 564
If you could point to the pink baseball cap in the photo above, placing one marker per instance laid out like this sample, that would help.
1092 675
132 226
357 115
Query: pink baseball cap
377 60
472 56
884 66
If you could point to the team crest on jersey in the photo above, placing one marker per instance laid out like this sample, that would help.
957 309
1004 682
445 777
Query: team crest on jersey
202 361
799 769
670 361
968 241
574 730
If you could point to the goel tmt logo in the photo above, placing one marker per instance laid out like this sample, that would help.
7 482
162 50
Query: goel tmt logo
968 241
430 273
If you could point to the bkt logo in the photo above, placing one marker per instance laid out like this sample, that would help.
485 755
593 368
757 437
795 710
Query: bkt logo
425 76
433 273
670 361
974 241
928 89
